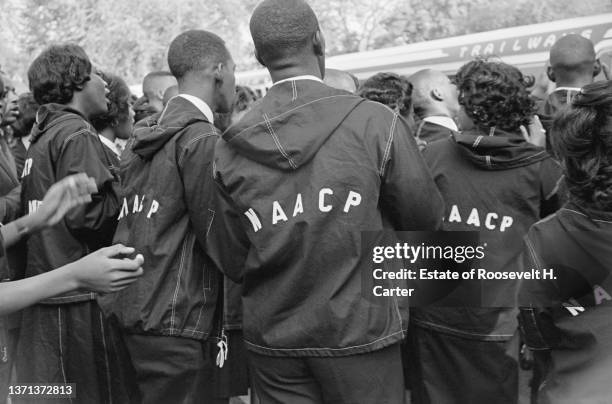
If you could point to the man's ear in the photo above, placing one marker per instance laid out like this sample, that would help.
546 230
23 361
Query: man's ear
218 73
550 73
318 43
437 95
597 68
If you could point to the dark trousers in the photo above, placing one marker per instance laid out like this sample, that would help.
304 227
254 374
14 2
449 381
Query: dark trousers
370 378
173 369
447 369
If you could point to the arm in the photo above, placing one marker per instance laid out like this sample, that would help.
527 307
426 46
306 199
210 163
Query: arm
228 244
409 196
62 197
10 205
97 271
195 163
95 222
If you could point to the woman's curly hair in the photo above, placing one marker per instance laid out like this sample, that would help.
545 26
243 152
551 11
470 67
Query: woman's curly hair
57 72
119 95
495 94
582 138
390 89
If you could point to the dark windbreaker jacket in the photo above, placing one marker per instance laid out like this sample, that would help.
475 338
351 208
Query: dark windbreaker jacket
166 214
64 143
497 184
300 177
567 320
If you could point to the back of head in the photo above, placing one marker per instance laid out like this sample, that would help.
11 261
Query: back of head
430 88
119 106
573 60
389 89
282 30
582 138
341 80
58 72
196 51
495 94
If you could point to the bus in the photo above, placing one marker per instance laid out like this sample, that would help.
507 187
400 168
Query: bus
526 47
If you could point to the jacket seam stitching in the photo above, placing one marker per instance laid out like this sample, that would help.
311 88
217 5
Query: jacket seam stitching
388 146
328 349
277 142
291 110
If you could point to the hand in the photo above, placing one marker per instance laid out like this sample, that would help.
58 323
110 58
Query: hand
535 134
100 272
63 196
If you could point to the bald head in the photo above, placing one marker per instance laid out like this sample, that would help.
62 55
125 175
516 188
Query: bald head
285 33
573 61
341 80
153 87
433 94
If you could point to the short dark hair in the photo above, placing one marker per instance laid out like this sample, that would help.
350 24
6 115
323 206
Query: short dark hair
196 50
58 72
495 94
390 89
282 28
582 138
119 107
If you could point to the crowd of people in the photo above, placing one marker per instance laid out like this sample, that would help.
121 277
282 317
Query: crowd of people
202 243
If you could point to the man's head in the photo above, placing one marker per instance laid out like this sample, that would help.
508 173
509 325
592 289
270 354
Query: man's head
8 100
154 85
341 80
573 62
120 115
204 67
287 36
63 74
433 93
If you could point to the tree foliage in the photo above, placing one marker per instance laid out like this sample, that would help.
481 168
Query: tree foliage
130 38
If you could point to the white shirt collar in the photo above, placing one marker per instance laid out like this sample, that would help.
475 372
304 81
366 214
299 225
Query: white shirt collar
442 121
577 89
110 145
304 77
201 105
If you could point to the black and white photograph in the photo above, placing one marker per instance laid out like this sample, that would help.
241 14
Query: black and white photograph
306 202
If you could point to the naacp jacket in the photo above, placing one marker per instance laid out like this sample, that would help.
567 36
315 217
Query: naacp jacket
566 320
300 177
166 214
496 183
64 143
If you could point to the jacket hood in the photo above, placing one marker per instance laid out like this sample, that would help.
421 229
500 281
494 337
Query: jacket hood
282 130
151 134
498 150
50 115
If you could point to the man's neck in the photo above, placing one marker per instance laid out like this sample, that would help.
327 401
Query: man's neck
575 83
203 92
310 68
